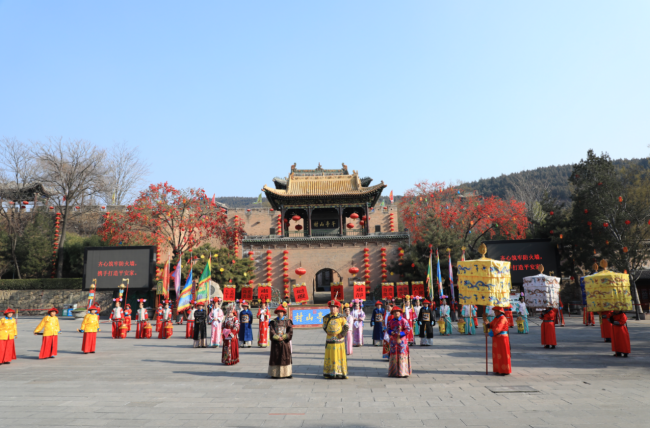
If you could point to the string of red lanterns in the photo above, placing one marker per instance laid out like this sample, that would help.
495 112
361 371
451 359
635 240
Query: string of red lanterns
384 274
285 273
279 224
392 222
236 236
366 264
55 252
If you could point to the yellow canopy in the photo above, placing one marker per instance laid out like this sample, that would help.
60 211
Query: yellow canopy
484 282
608 291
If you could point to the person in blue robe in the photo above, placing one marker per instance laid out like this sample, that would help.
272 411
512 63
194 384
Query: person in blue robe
377 324
245 325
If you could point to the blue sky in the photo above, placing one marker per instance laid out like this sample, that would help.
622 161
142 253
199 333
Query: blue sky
225 95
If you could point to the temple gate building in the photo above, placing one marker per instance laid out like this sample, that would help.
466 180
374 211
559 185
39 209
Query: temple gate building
322 220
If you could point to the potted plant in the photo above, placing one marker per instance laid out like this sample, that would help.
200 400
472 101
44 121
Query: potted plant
79 312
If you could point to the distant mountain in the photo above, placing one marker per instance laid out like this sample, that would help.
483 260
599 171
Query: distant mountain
556 176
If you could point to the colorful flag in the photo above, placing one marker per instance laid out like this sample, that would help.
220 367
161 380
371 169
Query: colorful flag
165 280
203 288
177 277
430 276
259 200
439 277
391 197
186 294
451 281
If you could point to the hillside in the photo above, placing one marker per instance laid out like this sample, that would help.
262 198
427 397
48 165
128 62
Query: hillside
556 176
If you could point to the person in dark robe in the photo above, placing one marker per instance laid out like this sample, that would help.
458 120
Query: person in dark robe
426 321
281 330
377 323
246 325
200 326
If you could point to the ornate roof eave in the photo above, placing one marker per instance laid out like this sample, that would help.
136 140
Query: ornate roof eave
368 195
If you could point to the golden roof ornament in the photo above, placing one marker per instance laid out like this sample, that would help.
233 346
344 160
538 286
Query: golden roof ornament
603 264
595 267
540 268
482 249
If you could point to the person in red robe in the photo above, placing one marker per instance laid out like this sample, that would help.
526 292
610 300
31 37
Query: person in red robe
117 317
141 316
548 328
606 326
501 364
127 316
160 313
189 329
620 335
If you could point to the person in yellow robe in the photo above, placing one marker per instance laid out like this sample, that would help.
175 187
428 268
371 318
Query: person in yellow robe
336 327
89 327
8 332
50 326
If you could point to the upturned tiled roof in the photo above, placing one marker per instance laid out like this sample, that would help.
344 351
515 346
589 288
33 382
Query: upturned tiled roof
328 185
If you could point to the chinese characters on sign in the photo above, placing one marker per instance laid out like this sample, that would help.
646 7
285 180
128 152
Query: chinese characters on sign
265 293
229 294
308 317
300 293
522 262
402 289
418 288
247 293
325 224
116 272
360 291
336 291
387 290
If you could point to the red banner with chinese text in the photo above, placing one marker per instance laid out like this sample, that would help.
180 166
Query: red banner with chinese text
300 294
418 288
387 290
359 291
247 292
265 292
229 293
402 289
337 291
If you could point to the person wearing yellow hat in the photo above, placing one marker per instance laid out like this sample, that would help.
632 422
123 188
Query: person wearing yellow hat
50 326
336 326
281 330
500 341
89 327
8 332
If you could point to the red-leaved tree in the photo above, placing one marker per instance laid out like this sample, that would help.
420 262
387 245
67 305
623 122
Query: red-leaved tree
162 214
471 218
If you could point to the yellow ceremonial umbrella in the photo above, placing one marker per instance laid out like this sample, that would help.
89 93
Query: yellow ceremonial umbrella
607 290
484 281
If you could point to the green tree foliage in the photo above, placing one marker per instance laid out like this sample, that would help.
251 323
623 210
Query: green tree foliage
73 262
226 267
34 250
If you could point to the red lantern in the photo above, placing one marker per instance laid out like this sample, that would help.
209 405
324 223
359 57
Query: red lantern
366 249
363 218
600 183
551 232
551 213
295 217
301 271
250 253
77 207
366 259
620 199
286 275
353 270
412 265
285 252
350 225
270 209
367 276
627 222
51 207
268 251
298 227
605 224
625 249
362 222
586 211
354 216
382 249
589 223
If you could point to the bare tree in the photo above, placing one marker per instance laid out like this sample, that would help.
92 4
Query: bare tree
16 174
75 170
125 171
530 191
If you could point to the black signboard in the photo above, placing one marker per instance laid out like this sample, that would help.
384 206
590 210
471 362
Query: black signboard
110 266
525 256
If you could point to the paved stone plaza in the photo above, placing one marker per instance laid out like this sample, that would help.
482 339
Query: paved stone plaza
150 383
